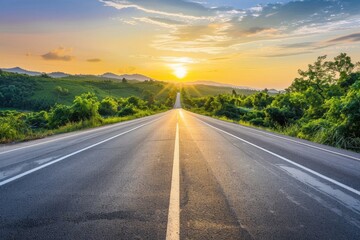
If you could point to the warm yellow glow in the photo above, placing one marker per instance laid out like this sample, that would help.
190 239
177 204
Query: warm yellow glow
180 71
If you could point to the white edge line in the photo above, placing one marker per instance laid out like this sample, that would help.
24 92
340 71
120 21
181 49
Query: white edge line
289 161
67 156
75 134
173 224
292 140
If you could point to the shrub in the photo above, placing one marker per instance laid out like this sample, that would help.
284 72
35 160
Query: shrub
84 107
59 115
127 111
37 119
108 107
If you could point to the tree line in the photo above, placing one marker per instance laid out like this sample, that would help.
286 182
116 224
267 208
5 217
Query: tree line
85 111
321 105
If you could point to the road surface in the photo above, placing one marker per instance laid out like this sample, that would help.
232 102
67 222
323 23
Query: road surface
178 175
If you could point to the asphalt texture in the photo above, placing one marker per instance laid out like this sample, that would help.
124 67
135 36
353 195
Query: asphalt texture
236 182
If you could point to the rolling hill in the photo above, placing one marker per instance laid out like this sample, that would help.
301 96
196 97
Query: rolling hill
37 92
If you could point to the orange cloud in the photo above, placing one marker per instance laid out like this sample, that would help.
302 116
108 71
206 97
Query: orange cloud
59 54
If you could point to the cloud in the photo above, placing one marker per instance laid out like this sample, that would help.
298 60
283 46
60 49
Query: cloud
183 60
126 21
219 58
172 8
163 22
166 21
298 45
355 37
94 60
287 54
199 26
60 54
311 46
195 32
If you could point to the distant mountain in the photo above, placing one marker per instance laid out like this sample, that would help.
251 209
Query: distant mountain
110 75
217 84
21 71
138 77
58 74
274 91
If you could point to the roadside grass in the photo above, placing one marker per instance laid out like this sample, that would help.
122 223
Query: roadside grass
10 135
294 130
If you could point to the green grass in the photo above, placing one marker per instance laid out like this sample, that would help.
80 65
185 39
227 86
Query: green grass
102 87
19 136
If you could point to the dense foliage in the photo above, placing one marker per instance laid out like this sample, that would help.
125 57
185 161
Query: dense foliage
321 105
34 93
86 110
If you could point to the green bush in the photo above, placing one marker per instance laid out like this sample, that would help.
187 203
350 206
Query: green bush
37 119
84 107
59 115
127 111
108 107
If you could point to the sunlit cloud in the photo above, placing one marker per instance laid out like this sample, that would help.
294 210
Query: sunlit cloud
180 9
182 60
59 54
163 22
126 21
94 60
287 54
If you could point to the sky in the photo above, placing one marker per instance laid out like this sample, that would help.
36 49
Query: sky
254 43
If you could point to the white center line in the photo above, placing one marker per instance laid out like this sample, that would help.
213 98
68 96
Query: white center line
69 155
173 225
357 192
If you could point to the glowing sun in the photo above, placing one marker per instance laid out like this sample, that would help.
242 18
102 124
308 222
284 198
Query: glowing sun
180 72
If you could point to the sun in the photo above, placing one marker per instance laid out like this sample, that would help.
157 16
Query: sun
180 72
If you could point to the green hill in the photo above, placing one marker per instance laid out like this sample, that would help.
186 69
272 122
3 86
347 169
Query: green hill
200 90
41 92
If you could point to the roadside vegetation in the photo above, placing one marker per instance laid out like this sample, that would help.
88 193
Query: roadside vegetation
34 107
200 90
321 105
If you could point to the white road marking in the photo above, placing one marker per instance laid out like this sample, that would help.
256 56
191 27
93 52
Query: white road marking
173 224
289 161
73 135
302 143
69 155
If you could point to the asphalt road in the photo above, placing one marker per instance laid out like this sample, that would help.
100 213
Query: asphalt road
178 175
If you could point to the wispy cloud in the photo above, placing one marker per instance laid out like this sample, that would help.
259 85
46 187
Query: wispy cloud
94 60
60 54
348 38
287 54
163 22
178 8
